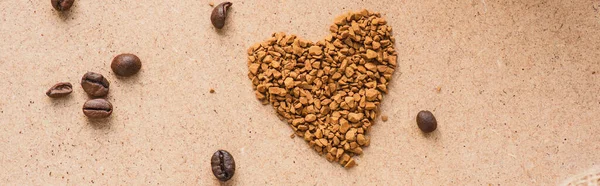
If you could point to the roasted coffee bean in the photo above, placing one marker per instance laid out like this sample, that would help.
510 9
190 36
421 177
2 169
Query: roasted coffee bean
219 14
126 64
97 108
95 84
62 5
60 90
223 166
426 121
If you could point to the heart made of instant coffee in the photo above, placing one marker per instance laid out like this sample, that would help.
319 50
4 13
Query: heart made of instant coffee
329 92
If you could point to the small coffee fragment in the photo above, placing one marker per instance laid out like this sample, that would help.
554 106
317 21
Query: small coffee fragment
384 118
223 165
354 117
60 90
62 5
219 14
426 121
362 140
351 163
371 54
310 118
126 64
212 91
211 4
97 108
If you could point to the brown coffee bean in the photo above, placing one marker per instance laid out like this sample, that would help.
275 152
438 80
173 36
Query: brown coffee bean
426 121
62 5
97 108
60 90
95 84
223 165
126 64
219 14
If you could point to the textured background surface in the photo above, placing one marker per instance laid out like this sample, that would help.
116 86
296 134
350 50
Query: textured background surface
519 101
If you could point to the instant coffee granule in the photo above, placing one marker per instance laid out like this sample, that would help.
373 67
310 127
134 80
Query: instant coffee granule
329 91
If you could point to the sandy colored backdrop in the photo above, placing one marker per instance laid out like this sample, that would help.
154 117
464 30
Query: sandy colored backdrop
519 100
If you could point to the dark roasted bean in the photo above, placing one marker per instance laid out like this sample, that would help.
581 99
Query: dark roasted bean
60 90
95 84
219 14
97 108
126 64
426 121
223 165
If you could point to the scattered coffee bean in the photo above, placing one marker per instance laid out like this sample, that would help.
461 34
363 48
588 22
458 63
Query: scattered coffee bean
60 90
219 14
223 166
426 121
97 108
212 91
95 84
62 5
126 64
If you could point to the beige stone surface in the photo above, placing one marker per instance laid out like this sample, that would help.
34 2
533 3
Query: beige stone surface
518 105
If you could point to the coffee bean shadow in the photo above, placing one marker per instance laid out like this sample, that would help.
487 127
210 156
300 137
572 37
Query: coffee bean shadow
61 101
100 124
435 135
227 183
64 15
230 182
222 31
129 79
